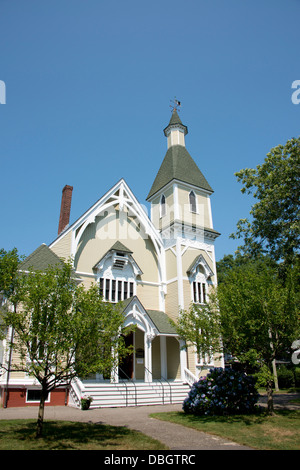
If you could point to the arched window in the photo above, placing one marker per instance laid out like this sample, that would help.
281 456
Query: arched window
193 203
200 274
162 205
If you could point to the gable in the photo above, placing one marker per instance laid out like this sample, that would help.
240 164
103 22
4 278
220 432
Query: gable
150 321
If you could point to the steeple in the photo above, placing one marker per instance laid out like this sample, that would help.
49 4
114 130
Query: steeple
178 165
175 130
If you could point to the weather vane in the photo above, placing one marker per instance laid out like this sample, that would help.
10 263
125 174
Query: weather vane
175 106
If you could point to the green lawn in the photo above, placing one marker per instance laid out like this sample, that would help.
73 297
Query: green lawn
259 431
66 435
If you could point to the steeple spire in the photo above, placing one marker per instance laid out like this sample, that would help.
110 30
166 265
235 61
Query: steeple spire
175 130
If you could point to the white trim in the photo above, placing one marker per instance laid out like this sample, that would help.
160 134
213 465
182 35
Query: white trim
175 200
189 186
179 274
174 279
149 283
209 211
80 273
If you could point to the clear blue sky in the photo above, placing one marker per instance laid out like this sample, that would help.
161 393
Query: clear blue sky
88 89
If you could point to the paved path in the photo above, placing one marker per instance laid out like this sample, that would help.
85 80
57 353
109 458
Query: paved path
176 437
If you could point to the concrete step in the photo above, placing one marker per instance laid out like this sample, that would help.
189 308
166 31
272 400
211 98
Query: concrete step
134 394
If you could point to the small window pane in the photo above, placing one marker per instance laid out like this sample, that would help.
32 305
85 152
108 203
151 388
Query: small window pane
113 291
131 289
107 283
163 206
192 199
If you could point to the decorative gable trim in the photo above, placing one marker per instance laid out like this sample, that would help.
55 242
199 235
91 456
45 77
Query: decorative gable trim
200 260
121 256
120 195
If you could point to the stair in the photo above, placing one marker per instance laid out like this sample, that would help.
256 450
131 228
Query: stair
129 393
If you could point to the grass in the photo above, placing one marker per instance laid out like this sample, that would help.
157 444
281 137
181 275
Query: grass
259 431
67 435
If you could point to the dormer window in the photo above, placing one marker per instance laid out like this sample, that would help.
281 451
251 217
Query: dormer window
193 202
117 272
162 206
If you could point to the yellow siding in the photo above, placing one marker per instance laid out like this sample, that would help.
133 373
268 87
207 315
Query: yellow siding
63 247
171 265
202 218
149 296
172 300
99 237
173 358
187 297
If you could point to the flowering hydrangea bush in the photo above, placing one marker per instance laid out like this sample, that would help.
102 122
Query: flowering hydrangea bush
222 391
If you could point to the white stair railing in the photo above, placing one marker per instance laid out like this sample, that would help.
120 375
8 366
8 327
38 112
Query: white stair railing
189 377
76 391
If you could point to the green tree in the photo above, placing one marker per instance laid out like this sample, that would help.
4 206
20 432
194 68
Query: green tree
10 285
200 326
274 227
229 262
259 315
61 330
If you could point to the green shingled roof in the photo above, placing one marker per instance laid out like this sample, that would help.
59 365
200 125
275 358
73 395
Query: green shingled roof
161 321
40 259
118 246
175 121
179 165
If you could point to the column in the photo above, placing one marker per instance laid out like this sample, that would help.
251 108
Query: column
148 356
183 358
163 357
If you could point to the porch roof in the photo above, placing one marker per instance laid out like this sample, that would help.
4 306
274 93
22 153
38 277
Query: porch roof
159 319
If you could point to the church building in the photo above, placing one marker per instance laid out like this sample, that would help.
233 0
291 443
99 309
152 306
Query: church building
154 265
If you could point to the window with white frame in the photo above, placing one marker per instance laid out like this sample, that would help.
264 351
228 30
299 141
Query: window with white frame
199 292
33 395
200 275
115 290
199 286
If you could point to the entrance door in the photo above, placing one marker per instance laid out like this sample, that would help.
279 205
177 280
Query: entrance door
126 366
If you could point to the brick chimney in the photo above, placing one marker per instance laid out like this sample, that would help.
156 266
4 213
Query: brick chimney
65 208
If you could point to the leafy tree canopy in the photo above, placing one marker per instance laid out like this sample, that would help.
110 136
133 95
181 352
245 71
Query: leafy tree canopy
274 227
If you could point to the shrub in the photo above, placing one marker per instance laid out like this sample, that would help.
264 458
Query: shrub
286 378
222 392
297 376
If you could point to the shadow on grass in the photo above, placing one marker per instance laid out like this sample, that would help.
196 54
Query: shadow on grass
259 417
65 435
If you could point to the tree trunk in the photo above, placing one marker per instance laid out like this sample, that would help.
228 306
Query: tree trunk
40 420
275 375
270 397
